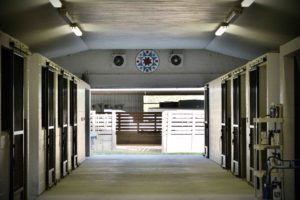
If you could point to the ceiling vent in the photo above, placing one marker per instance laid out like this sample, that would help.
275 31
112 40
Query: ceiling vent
176 60
118 60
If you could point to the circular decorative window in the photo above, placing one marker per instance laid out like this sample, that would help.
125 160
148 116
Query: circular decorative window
147 61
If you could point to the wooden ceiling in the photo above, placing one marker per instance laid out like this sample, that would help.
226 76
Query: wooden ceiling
153 13
155 24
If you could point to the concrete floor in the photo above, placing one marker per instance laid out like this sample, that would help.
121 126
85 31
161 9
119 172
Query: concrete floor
149 177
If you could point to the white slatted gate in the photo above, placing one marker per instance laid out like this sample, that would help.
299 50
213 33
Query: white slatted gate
103 132
183 131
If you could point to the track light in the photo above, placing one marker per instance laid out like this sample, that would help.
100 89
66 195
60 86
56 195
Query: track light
56 3
247 3
76 30
222 28
233 14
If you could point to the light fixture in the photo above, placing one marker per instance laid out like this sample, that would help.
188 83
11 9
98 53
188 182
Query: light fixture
247 3
222 28
233 14
76 30
56 3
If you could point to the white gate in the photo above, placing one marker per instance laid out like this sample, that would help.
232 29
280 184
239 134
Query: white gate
183 131
103 132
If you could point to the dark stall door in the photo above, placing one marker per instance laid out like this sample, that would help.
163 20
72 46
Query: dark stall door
87 122
12 98
206 121
63 122
73 122
48 123
236 125
225 130
254 113
239 126
297 123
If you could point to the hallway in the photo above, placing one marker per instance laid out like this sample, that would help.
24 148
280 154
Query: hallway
153 177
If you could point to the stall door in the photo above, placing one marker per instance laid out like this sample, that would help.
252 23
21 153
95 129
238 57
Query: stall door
297 123
254 111
48 123
73 122
63 122
236 126
239 126
225 130
12 98
206 121
87 122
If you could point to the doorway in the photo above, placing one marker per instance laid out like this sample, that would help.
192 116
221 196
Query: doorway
226 124
13 120
73 122
297 121
135 119
206 121
254 113
63 122
239 126
48 123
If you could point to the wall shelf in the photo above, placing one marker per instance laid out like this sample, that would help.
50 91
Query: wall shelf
263 151
259 173
268 120
266 146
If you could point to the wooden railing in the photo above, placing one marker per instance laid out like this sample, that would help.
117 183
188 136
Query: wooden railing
139 122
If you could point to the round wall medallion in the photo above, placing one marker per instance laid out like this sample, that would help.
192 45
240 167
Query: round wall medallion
147 61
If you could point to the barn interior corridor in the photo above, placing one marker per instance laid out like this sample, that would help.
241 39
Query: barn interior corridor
149 100
155 177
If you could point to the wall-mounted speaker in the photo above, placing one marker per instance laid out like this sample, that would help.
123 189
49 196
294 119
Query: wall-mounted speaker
118 60
85 77
176 60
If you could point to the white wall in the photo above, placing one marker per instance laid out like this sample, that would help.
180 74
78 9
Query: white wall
199 67
81 120
37 147
215 109
36 137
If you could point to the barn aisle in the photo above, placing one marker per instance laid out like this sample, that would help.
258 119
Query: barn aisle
149 177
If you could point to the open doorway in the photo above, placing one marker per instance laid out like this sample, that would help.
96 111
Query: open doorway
147 122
